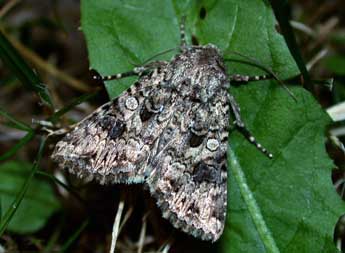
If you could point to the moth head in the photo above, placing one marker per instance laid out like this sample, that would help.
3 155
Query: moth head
199 72
208 55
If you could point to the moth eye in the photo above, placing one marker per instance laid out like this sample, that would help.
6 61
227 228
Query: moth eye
195 140
117 130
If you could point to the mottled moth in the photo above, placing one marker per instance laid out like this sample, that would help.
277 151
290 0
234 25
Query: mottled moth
169 131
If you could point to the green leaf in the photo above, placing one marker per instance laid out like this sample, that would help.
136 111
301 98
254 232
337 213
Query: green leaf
124 37
13 207
336 64
293 193
287 204
21 69
36 206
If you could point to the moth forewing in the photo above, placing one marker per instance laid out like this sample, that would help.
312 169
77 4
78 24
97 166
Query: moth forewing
169 131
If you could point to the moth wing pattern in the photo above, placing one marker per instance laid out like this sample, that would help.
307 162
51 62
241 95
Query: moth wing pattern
169 131
189 174
108 146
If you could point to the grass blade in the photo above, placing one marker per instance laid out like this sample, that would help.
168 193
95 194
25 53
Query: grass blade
281 11
55 117
16 123
0 210
66 187
21 69
74 236
13 208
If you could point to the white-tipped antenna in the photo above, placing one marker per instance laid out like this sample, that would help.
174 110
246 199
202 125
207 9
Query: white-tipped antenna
260 65
183 33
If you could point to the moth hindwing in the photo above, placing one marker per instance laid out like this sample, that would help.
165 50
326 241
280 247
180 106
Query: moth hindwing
169 131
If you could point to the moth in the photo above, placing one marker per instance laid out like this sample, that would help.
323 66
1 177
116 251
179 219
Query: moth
168 131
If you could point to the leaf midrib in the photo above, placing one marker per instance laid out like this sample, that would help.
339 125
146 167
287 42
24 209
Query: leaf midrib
253 208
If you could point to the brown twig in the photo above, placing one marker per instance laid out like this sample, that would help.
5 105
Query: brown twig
7 7
142 236
116 226
45 66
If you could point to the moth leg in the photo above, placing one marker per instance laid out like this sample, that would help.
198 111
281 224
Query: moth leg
245 79
243 129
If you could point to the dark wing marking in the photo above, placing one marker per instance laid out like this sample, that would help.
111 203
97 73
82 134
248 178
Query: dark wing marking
113 144
188 170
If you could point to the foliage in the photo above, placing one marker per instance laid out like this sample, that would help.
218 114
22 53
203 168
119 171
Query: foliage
39 203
